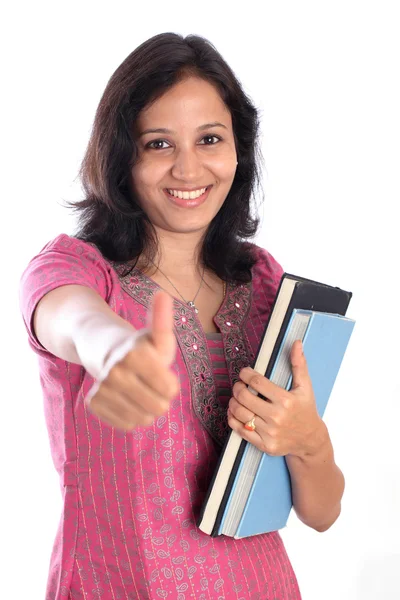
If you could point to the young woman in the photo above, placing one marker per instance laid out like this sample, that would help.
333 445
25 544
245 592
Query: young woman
146 322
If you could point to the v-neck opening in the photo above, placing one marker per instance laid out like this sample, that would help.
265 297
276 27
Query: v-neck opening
185 304
196 347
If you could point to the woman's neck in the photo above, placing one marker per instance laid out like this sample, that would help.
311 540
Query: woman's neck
178 257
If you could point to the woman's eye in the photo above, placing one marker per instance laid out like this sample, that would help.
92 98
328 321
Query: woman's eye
211 137
150 144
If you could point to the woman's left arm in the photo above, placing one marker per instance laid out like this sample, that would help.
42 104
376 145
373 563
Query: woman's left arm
317 485
288 424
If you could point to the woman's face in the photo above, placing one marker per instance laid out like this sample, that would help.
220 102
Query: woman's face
194 150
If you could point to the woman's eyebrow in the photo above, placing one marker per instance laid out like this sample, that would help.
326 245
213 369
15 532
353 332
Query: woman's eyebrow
201 128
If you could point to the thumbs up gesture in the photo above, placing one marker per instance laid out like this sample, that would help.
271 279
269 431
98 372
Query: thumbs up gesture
137 385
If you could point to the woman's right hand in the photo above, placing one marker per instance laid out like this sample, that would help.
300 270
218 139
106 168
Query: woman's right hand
140 386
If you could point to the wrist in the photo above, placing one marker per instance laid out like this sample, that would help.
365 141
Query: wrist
96 339
319 448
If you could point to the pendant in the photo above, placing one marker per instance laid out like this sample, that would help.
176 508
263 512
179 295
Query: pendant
191 304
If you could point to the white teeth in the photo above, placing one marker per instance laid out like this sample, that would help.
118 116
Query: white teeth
187 195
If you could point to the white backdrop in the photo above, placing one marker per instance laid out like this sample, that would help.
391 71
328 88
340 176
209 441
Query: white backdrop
325 76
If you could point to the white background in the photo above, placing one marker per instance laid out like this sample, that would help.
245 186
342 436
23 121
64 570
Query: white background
325 76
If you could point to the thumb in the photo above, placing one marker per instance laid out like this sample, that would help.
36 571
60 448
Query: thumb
161 325
299 366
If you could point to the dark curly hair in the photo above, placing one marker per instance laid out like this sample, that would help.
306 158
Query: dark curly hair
110 216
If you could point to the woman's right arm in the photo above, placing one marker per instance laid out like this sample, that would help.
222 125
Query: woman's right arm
135 383
74 323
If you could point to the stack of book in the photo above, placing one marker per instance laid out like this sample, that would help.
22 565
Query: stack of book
250 492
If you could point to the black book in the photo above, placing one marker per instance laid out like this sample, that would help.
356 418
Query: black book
294 292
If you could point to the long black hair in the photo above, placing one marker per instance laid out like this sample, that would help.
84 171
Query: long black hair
110 215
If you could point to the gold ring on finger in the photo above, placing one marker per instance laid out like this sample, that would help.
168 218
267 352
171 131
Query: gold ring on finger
250 425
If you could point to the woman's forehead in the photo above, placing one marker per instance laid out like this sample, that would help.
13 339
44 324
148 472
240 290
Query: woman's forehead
192 101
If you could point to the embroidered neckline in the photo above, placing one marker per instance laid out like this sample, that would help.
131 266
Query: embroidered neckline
192 340
153 283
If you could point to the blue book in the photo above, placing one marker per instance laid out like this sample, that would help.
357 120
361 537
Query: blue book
294 292
260 499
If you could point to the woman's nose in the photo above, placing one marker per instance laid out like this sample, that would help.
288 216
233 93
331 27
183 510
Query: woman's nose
187 165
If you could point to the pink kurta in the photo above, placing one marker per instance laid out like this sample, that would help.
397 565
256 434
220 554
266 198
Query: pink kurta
131 499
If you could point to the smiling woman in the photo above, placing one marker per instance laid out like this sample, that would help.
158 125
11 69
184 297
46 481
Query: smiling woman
173 117
138 415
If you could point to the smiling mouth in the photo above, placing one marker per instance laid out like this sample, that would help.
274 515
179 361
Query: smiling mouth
187 195
188 201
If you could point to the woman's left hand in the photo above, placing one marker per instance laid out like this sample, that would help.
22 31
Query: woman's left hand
288 421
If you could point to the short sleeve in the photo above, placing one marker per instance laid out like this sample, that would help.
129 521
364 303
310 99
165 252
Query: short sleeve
63 261
267 275
268 268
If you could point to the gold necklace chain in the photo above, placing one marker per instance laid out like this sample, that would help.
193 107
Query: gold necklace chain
190 302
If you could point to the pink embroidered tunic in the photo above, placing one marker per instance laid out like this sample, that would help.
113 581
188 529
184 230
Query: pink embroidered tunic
131 499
